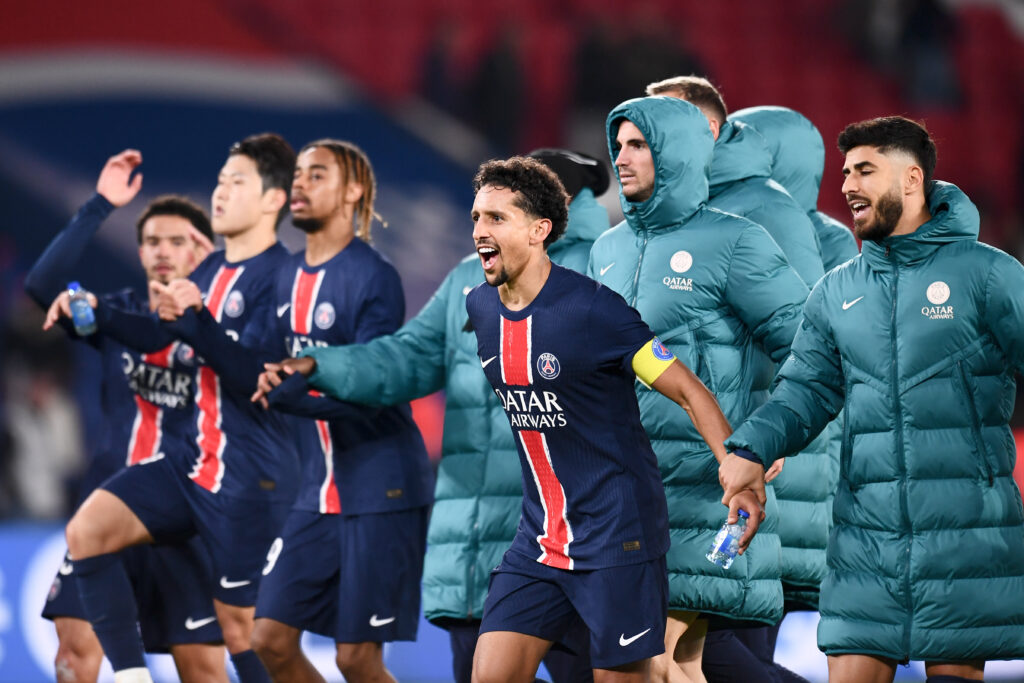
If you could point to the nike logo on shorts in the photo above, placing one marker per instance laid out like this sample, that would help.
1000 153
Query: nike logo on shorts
198 623
375 622
624 641
224 583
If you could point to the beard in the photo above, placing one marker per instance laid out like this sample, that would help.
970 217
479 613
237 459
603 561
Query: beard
500 279
308 225
888 211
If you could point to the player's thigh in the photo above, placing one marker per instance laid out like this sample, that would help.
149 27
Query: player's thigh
380 571
855 668
300 577
79 653
104 524
507 657
972 670
274 640
200 662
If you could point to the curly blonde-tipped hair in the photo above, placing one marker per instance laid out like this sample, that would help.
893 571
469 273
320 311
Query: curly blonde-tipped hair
355 167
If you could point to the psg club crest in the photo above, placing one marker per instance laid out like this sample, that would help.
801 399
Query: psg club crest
548 366
235 305
185 354
324 316
659 350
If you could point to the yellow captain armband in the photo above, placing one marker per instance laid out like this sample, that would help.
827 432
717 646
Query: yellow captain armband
651 360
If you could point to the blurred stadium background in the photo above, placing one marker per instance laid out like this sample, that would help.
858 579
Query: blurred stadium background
429 88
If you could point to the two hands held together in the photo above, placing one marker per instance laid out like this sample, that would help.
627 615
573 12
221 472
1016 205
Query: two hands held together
743 483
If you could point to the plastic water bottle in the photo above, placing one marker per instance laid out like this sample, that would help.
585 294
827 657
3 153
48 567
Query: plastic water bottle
727 542
82 315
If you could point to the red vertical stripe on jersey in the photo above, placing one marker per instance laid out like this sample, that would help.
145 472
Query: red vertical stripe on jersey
516 351
305 289
330 502
146 430
557 536
209 468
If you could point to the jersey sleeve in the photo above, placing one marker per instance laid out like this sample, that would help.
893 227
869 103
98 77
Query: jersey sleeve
615 332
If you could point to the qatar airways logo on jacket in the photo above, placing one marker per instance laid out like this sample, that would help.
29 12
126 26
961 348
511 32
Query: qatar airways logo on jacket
680 262
164 387
532 409
938 294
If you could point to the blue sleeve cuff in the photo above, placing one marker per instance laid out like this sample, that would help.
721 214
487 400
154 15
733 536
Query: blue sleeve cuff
747 455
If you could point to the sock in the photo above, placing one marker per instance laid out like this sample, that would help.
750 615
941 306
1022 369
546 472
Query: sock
133 676
109 602
950 679
249 667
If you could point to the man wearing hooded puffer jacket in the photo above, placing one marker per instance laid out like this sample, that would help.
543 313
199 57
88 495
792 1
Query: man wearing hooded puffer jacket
720 294
917 342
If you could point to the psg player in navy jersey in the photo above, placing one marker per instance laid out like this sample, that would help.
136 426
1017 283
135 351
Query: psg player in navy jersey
146 405
234 482
562 352
348 562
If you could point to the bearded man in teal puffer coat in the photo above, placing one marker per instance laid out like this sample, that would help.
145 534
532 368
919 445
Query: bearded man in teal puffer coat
917 342
720 294
479 494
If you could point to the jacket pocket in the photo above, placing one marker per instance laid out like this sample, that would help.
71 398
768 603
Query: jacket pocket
972 410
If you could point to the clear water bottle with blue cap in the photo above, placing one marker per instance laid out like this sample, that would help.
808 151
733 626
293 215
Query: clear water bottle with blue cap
82 315
727 542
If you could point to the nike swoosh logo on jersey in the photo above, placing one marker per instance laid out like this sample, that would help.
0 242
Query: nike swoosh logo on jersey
485 363
224 583
66 568
199 623
374 621
281 309
624 641
847 304
605 269
466 290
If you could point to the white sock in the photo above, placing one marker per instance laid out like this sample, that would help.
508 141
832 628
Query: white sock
138 674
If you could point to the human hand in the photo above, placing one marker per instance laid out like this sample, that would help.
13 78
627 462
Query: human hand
746 500
737 474
113 181
174 298
61 307
271 377
775 470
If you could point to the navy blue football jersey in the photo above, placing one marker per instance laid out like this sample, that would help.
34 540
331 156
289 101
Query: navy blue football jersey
147 399
592 492
358 459
244 452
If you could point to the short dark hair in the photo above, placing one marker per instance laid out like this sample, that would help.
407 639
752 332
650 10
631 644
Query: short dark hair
275 162
889 133
176 205
538 190
696 90
355 167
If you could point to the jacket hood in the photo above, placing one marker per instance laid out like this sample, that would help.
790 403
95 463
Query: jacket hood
587 220
954 218
796 148
740 153
681 146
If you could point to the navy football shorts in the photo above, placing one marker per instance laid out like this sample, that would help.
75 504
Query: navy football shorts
624 608
236 532
173 590
353 578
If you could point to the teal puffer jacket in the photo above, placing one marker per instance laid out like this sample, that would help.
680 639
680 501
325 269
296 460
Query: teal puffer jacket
921 335
741 184
478 497
720 294
798 161
806 486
